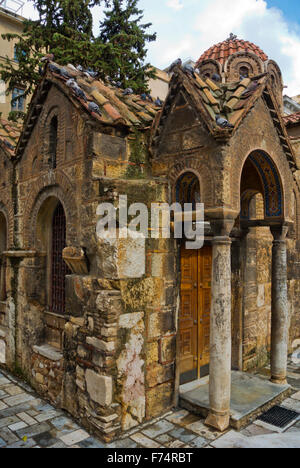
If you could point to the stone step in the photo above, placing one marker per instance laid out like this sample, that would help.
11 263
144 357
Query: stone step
250 397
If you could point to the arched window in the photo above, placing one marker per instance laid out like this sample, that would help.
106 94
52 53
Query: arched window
188 189
3 246
53 142
244 72
273 80
59 269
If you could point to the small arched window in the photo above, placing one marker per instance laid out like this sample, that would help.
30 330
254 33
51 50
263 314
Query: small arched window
244 72
53 142
188 189
273 80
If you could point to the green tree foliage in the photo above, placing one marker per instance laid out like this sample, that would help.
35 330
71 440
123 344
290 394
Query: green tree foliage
64 28
122 28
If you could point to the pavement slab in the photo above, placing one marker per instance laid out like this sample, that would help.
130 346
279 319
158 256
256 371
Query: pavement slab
28 421
74 437
158 429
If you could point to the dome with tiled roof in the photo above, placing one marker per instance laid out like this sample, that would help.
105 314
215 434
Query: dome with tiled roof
222 51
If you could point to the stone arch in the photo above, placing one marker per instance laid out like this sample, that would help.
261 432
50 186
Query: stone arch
276 81
247 59
53 108
209 67
54 114
200 169
8 213
271 67
187 189
262 177
61 188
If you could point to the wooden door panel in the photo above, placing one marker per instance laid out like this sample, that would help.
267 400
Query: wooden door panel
194 317
205 267
188 312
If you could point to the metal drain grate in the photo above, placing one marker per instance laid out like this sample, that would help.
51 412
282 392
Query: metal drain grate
279 416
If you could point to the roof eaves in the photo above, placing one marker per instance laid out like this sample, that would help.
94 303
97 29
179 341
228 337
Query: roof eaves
278 121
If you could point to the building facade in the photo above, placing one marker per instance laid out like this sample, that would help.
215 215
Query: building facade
109 328
10 23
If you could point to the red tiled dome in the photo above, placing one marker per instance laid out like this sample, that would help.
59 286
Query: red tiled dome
223 50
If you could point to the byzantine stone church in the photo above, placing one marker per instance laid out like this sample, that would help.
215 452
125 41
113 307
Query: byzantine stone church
112 344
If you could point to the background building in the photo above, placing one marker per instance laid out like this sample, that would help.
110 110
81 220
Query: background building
10 22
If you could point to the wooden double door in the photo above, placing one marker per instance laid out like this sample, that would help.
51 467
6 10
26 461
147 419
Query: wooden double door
194 318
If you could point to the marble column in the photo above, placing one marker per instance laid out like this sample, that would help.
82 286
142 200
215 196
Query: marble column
220 331
280 308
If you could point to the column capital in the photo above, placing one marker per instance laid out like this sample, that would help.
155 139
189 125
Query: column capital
222 228
280 232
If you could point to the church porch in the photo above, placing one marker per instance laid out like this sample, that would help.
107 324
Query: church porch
251 396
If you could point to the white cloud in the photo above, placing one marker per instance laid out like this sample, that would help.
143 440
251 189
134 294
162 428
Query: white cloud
252 20
175 4
186 28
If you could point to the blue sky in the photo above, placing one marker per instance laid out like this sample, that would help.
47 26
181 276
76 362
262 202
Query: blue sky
186 28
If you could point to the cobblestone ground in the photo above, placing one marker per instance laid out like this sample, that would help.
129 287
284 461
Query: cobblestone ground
26 421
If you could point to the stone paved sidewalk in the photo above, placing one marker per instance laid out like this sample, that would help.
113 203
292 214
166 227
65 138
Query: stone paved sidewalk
26 421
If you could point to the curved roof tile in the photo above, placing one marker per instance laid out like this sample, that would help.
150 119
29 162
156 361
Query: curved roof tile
223 50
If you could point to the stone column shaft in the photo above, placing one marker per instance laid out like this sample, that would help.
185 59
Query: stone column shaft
220 336
280 309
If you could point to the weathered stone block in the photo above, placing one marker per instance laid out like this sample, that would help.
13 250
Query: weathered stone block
158 374
99 387
132 320
98 359
121 258
101 345
159 399
39 378
167 349
152 354
160 323
109 146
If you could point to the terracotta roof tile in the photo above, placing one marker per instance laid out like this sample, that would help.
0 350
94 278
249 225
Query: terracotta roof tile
114 106
9 135
292 119
223 50
226 100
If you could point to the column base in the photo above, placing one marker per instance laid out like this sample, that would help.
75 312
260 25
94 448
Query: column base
279 381
219 421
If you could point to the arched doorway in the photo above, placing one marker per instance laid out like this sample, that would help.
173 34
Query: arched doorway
260 175
195 298
261 218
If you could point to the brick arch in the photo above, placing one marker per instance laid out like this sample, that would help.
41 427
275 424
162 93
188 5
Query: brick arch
277 84
53 185
54 108
272 67
210 66
200 169
7 210
271 174
233 63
